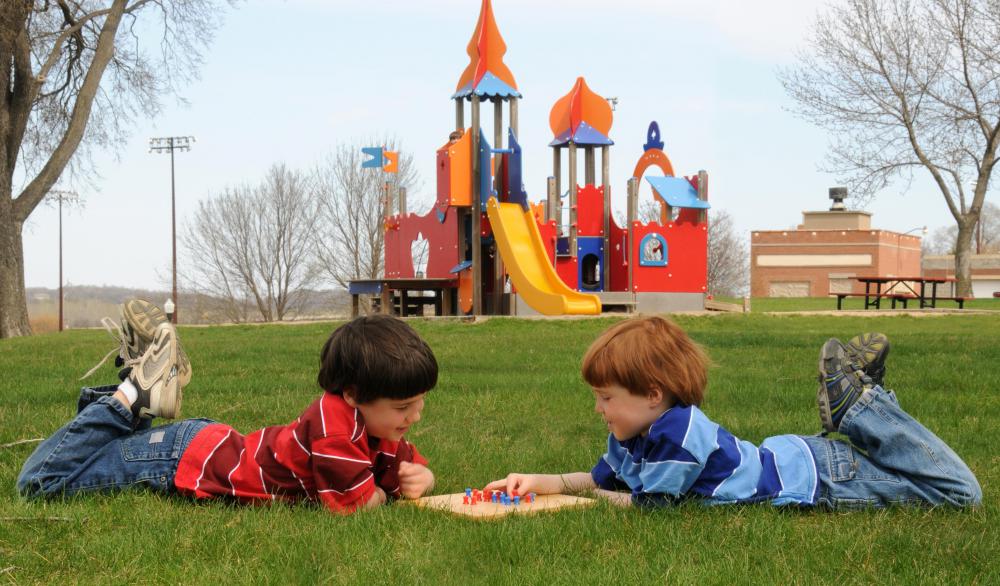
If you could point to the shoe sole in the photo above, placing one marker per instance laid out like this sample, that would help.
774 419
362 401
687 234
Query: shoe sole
822 397
860 350
165 394
144 318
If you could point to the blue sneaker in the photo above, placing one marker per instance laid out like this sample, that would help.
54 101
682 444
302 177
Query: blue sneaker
840 383
867 353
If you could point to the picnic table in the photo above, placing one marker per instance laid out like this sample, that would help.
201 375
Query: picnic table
397 291
901 289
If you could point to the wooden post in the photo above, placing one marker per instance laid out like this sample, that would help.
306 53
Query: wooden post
551 205
459 114
386 301
552 200
557 174
589 171
498 271
605 173
386 201
513 114
477 212
572 199
702 191
633 209
402 201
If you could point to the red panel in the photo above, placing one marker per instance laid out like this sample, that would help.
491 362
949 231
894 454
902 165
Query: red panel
567 269
442 243
548 233
687 259
590 211
616 257
443 177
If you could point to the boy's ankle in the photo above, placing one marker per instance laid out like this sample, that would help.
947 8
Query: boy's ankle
122 398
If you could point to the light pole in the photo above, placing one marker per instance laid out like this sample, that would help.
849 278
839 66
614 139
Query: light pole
62 195
899 245
162 145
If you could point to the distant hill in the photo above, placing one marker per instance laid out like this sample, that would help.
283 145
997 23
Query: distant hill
85 305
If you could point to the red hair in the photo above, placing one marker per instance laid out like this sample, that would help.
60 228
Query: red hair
648 353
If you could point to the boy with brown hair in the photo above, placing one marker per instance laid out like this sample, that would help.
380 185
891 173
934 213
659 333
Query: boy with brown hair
346 450
648 378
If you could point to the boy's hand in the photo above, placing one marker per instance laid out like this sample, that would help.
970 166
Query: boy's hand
415 480
525 483
569 483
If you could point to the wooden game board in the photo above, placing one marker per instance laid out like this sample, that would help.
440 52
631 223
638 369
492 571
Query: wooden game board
452 503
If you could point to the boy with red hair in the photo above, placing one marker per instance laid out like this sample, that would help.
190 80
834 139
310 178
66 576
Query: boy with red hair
648 378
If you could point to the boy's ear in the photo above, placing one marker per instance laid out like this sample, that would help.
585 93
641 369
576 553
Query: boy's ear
655 396
349 393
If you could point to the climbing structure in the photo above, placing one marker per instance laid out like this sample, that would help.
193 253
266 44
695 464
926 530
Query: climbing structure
566 254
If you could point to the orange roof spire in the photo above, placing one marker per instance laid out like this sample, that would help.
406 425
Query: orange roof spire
486 74
581 117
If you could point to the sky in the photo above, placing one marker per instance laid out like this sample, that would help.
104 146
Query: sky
290 81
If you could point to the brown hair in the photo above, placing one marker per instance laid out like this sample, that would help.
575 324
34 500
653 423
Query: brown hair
377 356
648 353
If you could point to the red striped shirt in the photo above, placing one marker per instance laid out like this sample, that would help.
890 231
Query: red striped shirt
324 455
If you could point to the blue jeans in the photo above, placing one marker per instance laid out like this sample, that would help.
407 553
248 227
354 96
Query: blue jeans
98 450
894 460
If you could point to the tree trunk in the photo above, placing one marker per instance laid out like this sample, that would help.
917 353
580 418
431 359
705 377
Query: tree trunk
13 303
963 254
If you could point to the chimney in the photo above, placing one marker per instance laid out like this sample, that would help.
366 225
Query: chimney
838 195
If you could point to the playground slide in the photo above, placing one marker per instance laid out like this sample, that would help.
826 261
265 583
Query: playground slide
529 266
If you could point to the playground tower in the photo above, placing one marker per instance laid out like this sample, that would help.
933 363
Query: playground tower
491 251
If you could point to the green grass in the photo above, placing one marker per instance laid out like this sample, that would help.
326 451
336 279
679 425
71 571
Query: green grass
782 304
510 398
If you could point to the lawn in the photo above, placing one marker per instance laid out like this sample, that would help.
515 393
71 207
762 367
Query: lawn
787 304
510 398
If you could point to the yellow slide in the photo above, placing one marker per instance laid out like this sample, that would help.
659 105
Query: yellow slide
529 266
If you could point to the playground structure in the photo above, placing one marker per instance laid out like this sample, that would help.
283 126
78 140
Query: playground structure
491 251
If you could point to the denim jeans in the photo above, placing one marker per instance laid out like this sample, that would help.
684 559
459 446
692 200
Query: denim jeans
893 460
98 450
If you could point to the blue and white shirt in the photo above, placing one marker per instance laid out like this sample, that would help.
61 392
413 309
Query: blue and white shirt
685 454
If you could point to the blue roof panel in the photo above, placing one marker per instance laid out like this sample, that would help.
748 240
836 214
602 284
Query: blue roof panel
677 192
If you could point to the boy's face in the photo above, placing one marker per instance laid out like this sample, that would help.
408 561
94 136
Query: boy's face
389 419
627 415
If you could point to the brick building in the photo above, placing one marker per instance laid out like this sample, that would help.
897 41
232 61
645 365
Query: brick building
826 252
985 272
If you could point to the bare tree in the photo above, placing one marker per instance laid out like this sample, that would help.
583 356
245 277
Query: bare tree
254 245
905 85
728 258
350 243
75 76
986 239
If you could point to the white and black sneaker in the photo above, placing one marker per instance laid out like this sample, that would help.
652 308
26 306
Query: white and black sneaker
156 377
134 332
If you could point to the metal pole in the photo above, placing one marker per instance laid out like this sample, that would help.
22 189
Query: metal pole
173 227
459 114
60 266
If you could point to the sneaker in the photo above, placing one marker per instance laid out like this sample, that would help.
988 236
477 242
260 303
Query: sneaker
134 332
867 352
156 377
840 384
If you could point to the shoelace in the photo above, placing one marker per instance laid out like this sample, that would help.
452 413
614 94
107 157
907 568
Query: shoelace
115 331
